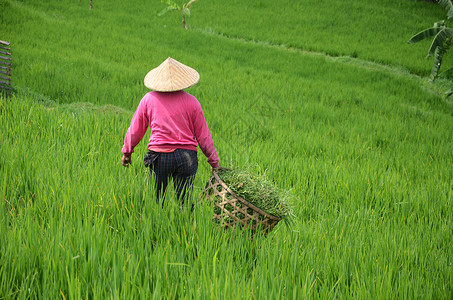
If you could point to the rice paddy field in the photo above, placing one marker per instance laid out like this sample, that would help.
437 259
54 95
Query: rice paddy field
324 97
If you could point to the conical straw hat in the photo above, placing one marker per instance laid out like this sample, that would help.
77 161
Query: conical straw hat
171 76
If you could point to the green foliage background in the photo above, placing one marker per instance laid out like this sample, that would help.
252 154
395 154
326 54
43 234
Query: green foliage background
325 96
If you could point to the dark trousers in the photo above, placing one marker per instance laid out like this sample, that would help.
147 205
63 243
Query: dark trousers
181 165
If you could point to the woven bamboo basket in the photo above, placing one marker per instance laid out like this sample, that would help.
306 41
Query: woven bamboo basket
231 211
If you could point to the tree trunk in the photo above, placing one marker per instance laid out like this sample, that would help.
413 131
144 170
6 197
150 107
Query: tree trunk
184 21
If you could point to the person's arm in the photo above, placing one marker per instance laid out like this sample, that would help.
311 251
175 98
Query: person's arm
204 138
135 132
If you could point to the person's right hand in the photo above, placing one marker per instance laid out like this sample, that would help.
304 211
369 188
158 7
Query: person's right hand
126 160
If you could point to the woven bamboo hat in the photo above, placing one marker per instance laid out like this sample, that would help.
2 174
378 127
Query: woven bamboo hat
171 76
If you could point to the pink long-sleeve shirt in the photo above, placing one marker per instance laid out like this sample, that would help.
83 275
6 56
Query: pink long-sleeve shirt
176 121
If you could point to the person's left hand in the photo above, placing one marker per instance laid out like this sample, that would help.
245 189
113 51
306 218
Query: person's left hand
126 160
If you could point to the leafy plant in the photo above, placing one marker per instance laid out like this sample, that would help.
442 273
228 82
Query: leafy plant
184 9
442 39
259 191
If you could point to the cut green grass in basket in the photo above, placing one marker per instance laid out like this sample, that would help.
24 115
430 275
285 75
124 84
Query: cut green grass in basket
259 191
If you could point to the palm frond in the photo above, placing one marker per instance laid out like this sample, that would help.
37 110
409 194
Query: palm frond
438 55
424 34
439 40
165 10
447 73
448 6
186 11
189 4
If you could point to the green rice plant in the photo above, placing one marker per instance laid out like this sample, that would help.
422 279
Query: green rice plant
364 148
258 190
358 29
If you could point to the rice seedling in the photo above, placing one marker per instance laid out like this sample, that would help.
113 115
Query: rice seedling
258 190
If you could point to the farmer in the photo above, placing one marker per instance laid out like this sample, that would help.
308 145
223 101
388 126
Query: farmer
177 124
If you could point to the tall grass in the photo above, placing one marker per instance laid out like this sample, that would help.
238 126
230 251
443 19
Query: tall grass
366 150
373 30
111 47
